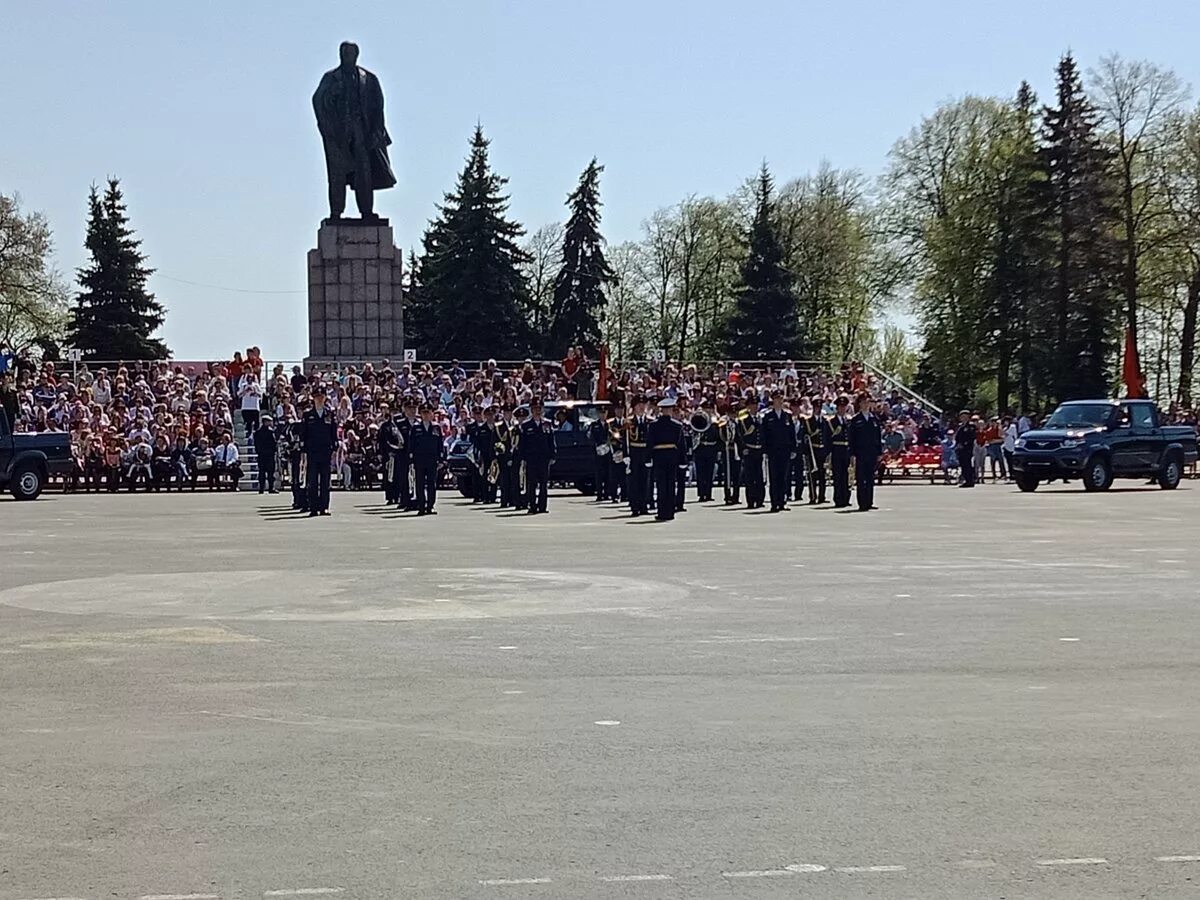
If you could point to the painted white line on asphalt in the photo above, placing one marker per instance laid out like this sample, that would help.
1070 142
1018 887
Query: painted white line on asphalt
624 878
857 870
504 882
1177 859
1069 640
756 873
1079 861
514 692
302 892
903 596
805 867
607 722
507 647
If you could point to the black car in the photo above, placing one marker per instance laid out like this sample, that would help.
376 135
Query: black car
28 460
1099 440
575 459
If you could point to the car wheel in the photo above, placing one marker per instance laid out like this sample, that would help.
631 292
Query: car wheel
1027 484
1168 478
1098 476
463 483
27 482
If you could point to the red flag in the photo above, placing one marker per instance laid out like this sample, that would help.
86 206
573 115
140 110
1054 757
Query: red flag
602 385
1131 370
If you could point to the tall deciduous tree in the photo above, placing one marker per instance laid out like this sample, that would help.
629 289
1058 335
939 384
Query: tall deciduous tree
472 292
543 254
764 322
580 297
115 316
32 295
1081 333
1136 100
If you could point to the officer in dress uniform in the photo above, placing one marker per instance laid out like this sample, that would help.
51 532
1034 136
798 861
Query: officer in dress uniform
318 437
516 466
800 465
819 437
403 457
731 454
750 445
486 438
779 445
598 435
504 429
668 449
708 445
964 448
637 454
839 449
866 442
388 443
427 449
294 454
537 452
677 411
616 469
474 436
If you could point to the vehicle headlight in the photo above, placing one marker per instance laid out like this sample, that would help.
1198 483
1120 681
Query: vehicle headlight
1020 444
1073 442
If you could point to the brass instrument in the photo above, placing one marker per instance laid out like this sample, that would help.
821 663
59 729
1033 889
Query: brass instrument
493 472
700 421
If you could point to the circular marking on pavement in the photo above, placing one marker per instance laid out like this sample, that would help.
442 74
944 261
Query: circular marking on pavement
346 595
607 722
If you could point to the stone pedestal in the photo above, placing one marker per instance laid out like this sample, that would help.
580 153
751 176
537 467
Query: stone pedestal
355 308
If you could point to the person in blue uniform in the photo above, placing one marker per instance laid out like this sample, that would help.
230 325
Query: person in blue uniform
537 452
731 454
266 447
318 437
677 411
486 438
708 446
839 453
294 454
779 445
866 441
403 458
750 446
427 448
964 447
638 457
668 452
598 435
388 445
817 434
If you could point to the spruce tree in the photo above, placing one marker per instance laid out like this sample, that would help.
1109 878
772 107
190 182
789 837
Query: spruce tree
1078 330
764 322
579 290
1022 254
470 292
114 316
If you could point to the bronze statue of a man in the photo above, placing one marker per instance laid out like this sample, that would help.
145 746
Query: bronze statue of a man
349 108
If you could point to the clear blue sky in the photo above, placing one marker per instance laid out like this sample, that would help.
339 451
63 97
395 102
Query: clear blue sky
203 110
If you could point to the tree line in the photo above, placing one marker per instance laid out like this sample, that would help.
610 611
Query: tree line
1024 239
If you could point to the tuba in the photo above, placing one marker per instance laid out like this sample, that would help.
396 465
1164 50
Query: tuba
700 421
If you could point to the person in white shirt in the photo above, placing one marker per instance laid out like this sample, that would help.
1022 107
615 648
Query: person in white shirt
226 461
1011 432
250 393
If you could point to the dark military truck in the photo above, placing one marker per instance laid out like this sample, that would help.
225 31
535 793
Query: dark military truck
28 460
1099 440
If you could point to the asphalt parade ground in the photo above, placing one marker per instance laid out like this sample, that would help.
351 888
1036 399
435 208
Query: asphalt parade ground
964 694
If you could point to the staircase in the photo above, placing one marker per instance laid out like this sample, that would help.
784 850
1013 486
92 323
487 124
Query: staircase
247 455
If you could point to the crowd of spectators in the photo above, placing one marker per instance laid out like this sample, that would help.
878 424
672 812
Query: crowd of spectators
153 425
162 425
